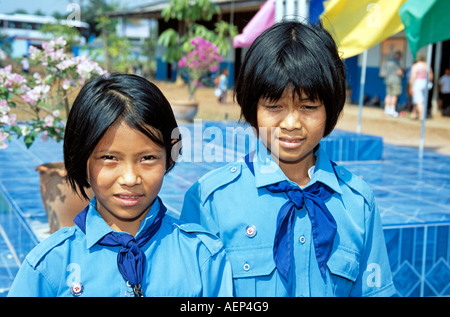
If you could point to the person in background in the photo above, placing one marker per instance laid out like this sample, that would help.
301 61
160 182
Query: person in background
444 89
393 81
419 85
25 64
222 86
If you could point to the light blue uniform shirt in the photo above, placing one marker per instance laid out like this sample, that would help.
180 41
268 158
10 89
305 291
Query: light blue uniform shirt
234 204
182 260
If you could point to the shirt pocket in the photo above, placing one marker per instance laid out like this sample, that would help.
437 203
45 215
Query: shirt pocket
343 265
249 265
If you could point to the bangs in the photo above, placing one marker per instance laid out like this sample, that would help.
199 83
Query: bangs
295 68
149 131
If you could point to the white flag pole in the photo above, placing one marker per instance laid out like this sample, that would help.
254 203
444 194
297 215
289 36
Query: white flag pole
361 89
425 107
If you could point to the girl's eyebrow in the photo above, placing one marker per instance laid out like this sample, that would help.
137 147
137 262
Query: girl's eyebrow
270 101
106 151
144 152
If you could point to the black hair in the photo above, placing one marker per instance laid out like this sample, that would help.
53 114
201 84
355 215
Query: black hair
296 56
105 101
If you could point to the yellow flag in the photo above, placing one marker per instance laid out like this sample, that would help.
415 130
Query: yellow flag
357 25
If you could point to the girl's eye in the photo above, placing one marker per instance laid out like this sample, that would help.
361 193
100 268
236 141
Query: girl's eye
309 107
108 157
148 158
272 107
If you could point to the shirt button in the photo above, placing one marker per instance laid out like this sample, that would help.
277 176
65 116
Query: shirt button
246 267
302 239
233 169
250 231
76 288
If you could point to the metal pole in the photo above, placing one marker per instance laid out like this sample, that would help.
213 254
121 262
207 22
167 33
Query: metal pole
425 106
303 10
361 90
234 58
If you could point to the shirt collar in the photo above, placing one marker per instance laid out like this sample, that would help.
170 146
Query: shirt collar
324 171
268 172
97 228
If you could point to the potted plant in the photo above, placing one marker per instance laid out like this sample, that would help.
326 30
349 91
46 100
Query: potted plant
41 100
179 44
201 59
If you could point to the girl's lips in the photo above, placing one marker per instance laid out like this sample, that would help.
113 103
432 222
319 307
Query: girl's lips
128 200
290 143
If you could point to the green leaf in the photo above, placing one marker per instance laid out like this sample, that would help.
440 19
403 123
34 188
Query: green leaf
29 140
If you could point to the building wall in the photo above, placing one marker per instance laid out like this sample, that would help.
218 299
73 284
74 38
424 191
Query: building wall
374 85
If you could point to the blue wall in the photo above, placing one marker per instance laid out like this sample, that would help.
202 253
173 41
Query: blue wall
374 83
162 73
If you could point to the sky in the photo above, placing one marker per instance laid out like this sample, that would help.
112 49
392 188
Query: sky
50 6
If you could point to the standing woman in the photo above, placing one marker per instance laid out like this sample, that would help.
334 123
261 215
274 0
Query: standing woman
419 85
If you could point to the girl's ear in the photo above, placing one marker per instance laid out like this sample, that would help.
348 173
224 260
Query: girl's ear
175 151
177 145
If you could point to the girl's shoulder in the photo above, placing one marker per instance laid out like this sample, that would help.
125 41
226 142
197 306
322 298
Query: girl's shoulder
56 239
354 182
217 178
194 231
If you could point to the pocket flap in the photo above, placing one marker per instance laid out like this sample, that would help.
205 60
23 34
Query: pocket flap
251 262
345 263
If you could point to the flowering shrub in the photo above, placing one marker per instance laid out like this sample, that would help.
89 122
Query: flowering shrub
203 57
43 96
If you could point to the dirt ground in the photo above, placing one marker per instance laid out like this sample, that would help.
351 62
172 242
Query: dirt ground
400 131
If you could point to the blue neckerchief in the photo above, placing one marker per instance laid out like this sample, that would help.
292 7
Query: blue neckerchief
131 259
323 225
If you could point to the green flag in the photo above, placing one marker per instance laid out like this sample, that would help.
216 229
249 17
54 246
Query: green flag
426 22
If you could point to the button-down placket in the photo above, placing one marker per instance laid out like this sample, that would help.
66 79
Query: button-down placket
301 249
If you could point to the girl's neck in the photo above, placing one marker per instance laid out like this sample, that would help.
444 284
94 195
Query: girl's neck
298 171
128 226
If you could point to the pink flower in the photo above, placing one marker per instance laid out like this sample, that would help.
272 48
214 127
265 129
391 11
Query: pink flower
48 121
17 79
8 119
182 62
56 67
86 68
66 64
44 136
37 93
66 84
3 138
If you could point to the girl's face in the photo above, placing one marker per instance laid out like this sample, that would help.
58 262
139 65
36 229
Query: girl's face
126 171
291 127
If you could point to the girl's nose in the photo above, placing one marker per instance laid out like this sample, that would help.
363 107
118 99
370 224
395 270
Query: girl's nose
130 176
291 121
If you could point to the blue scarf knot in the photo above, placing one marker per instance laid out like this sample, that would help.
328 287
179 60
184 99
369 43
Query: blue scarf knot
323 225
130 259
